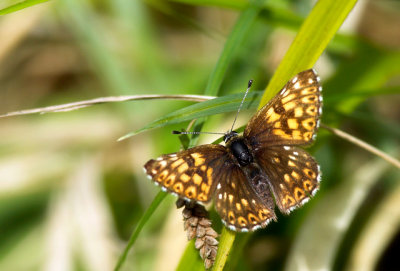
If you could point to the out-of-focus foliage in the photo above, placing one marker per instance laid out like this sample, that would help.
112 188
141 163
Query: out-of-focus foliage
71 195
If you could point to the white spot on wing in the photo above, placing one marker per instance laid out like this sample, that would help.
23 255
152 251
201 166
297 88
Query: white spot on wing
256 227
304 201
319 174
220 196
163 163
294 80
297 85
318 79
266 222
286 148
159 159
164 189
219 186
232 228
244 230
295 153
310 81
149 177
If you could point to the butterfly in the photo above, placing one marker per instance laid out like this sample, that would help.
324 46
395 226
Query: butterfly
255 171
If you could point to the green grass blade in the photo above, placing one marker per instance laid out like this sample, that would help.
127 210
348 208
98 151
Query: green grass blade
146 216
313 37
21 5
229 103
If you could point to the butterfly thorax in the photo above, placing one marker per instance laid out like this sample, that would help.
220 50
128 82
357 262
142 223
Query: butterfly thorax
238 147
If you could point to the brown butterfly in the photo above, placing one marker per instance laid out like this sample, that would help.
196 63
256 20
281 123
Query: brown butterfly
244 176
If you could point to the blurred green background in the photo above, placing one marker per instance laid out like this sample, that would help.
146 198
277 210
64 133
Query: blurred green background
71 195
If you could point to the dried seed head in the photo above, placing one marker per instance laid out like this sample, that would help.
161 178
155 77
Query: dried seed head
196 224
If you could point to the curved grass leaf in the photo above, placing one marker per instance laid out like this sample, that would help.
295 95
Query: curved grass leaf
21 5
143 220
215 106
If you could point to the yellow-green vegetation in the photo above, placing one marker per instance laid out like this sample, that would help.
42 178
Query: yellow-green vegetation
72 197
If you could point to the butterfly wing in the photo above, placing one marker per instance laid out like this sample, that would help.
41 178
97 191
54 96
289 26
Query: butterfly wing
192 174
240 208
291 117
293 175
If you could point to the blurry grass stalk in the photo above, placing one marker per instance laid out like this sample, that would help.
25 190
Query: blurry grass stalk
82 104
376 236
363 145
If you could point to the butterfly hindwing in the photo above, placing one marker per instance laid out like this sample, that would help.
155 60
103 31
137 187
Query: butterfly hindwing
240 208
291 117
191 174
294 175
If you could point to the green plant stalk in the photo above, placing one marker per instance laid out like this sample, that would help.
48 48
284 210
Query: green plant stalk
21 5
313 37
235 39
225 244
143 220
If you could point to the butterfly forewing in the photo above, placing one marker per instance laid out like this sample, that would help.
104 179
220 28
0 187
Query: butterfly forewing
291 117
191 174
294 175
240 208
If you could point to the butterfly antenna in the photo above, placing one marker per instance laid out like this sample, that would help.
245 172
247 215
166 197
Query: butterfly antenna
194 133
241 104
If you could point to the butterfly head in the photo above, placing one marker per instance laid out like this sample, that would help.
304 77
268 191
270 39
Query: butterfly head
230 135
